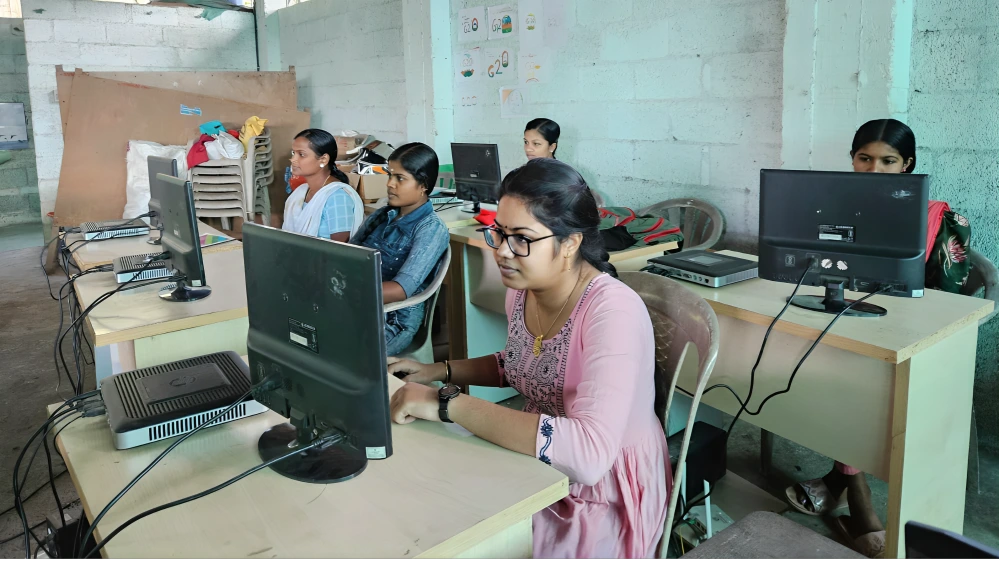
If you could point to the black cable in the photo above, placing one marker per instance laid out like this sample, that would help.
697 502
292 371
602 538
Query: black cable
55 493
19 535
328 440
41 263
32 494
788 387
174 445
56 351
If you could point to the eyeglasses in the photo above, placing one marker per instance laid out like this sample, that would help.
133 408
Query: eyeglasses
519 244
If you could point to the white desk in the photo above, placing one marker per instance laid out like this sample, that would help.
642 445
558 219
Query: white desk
891 396
104 252
438 496
136 328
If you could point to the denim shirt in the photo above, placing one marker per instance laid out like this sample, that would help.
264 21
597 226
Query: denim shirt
411 247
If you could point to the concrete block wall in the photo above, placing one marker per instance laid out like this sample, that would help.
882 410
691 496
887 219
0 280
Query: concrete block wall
954 112
111 36
655 99
349 60
18 180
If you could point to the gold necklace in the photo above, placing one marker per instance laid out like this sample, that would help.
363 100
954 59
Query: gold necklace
537 314
325 183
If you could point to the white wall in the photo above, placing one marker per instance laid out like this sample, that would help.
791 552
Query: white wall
106 36
655 100
955 115
349 60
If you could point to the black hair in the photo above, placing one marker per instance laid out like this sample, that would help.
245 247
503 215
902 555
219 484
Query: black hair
321 142
419 160
558 197
895 134
548 129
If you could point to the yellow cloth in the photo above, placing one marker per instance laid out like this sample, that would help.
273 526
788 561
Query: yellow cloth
252 128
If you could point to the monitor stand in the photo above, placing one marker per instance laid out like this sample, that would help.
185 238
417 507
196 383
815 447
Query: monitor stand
834 303
322 465
476 209
179 292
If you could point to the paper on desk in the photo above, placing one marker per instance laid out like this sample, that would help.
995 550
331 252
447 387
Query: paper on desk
213 239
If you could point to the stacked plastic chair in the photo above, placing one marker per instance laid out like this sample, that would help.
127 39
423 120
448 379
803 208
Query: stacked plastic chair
258 168
219 190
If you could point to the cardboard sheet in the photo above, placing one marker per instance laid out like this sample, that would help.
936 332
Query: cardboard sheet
105 114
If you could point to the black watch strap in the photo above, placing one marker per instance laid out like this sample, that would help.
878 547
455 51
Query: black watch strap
445 395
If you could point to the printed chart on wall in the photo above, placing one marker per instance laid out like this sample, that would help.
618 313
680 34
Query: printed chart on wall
534 66
469 66
502 22
556 33
513 102
499 65
532 24
472 25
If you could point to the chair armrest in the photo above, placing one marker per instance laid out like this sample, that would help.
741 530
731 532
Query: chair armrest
411 301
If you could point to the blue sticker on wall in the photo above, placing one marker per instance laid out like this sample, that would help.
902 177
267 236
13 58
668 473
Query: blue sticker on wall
184 110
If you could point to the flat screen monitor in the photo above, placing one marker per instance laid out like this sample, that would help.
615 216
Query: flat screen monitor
476 172
158 165
181 241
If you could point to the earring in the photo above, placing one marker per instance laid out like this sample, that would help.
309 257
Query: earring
322 165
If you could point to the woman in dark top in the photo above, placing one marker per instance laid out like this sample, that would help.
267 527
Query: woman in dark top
410 236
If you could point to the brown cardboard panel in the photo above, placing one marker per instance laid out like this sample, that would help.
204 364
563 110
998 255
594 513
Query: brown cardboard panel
106 114
276 89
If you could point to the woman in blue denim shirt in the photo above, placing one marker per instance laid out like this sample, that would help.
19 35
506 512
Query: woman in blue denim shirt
410 236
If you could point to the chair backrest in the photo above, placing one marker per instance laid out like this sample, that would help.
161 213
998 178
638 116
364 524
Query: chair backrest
701 223
445 180
681 320
428 294
983 277
923 541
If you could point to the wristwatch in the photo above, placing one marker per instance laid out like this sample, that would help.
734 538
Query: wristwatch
446 394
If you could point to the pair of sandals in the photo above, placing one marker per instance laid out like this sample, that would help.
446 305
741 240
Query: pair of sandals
813 497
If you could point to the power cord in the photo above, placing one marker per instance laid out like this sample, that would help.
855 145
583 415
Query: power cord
790 381
325 441
174 445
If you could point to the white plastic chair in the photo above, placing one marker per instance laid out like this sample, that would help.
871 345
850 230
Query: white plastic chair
687 340
421 349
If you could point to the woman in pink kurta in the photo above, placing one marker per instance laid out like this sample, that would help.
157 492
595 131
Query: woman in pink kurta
581 351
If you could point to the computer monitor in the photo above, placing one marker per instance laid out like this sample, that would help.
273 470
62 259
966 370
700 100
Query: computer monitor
476 172
167 167
866 232
181 241
317 337
923 541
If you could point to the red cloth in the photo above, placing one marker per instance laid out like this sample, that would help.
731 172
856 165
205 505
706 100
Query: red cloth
296 181
198 153
486 217
933 219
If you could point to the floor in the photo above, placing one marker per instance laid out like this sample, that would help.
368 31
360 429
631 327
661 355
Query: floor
28 322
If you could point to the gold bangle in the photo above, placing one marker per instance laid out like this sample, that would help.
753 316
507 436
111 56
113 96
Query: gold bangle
447 372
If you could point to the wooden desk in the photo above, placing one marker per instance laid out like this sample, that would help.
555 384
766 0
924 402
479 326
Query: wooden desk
439 496
103 252
476 297
891 396
135 328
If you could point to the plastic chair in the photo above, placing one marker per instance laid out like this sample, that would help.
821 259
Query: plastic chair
421 349
701 223
684 325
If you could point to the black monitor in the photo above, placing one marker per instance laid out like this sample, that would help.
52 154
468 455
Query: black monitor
317 331
181 241
476 172
865 231
923 541
158 165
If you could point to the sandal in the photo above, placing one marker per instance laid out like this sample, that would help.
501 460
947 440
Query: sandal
871 545
818 499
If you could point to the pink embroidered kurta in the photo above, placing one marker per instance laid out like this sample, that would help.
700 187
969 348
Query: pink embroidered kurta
594 388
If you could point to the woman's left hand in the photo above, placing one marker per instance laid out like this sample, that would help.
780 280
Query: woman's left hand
415 402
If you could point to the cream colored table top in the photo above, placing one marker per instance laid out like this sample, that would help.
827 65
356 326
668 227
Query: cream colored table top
468 235
103 252
450 213
911 325
140 313
438 495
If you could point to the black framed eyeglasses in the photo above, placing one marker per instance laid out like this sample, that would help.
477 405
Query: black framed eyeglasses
519 244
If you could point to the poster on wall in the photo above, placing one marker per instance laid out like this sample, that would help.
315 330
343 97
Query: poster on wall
469 65
472 25
502 22
513 102
556 32
532 24
499 65
534 67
